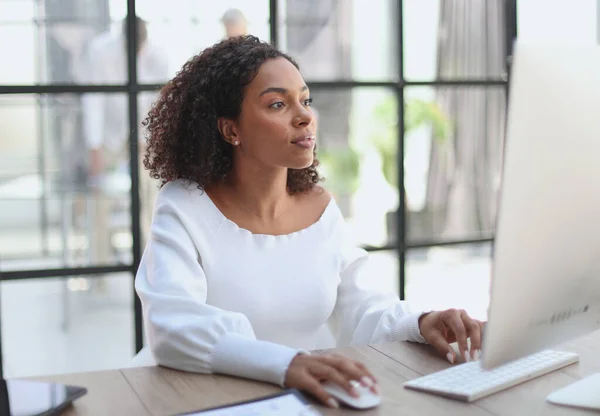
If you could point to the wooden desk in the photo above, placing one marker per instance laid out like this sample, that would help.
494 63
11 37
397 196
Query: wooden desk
156 391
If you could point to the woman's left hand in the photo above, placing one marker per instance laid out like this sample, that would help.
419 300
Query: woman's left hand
440 328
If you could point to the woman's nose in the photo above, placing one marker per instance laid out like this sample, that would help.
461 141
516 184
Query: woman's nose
304 117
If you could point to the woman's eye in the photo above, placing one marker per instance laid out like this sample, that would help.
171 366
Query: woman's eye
308 102
278 104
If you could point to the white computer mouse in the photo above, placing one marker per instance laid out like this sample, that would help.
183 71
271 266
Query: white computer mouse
367 398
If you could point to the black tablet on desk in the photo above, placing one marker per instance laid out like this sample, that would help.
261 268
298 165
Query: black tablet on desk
36 398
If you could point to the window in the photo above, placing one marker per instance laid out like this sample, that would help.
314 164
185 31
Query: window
458 274
419 84
67 324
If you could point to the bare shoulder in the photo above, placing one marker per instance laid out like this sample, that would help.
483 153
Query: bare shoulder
320 196
315 200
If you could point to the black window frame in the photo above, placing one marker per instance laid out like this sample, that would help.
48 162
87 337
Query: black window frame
132 88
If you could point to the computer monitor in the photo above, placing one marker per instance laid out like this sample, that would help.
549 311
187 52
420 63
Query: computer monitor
546 256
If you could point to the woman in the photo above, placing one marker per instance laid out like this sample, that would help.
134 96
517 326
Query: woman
249 258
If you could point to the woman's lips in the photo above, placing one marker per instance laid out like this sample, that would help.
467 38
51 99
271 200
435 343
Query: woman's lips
305 142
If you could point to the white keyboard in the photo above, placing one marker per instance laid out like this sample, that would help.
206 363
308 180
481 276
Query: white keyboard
469 382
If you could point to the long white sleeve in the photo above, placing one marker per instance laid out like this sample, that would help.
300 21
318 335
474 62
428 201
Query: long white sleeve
183 331
363 316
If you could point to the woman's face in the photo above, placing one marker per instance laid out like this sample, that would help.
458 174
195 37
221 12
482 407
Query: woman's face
276 126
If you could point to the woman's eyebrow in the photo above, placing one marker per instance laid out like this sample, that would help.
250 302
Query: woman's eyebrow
280 90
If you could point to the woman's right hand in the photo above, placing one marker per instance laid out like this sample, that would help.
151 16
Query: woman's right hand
307 372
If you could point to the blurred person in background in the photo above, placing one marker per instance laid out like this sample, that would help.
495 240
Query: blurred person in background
235 23
106 124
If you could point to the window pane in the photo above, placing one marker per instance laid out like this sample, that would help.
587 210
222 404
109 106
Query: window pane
63 203
347 138
64 325
459 274
12 11
50 44
22 66
72 41
454 39
453 153
175 34
333 39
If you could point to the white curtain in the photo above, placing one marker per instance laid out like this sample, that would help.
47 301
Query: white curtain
464 173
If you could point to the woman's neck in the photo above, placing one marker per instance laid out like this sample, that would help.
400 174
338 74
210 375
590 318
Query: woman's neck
260 192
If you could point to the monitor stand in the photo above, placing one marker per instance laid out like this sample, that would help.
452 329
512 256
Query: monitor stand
584 393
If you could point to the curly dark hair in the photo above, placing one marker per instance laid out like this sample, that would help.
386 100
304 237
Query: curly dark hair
183 139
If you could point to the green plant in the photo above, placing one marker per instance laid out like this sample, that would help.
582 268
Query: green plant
416 114
340 167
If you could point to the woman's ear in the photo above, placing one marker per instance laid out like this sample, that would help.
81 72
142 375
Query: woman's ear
228 130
